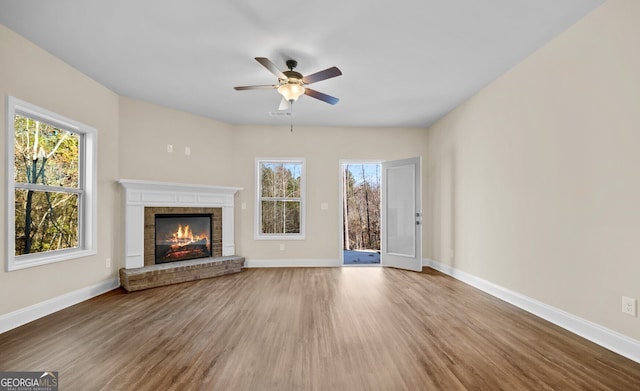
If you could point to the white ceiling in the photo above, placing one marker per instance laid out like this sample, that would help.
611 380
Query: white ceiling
405 63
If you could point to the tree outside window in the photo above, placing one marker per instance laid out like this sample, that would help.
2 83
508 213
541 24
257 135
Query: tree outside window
50 187
46 187
281 198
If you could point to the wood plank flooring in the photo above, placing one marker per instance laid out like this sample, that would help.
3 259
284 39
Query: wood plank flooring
311 329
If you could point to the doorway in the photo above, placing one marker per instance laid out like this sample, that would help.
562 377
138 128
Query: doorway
360 212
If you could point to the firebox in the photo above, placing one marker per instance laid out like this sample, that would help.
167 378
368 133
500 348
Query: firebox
182 236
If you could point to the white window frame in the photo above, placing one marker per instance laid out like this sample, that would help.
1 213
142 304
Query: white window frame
258 234
87 213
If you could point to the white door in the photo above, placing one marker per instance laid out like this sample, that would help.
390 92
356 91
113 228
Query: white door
401 218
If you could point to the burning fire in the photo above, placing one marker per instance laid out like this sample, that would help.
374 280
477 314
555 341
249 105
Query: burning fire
189 240
184 236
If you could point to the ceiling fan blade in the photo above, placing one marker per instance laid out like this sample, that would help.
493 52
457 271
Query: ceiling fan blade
322 75
284 104
262 87
319 95
271 67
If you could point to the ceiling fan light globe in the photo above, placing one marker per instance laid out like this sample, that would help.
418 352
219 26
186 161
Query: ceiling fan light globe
291 91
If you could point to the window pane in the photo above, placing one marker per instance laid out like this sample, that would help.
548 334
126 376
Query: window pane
281 180
292 179
280 217
44 154
45 221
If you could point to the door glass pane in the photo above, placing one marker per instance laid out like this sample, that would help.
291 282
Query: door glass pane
401 211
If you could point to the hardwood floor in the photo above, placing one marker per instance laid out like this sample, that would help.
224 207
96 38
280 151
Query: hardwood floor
311 329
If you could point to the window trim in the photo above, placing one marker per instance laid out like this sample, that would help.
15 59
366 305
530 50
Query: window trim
258 235
88 175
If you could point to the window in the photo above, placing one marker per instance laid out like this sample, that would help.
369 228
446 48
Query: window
51 183
280 198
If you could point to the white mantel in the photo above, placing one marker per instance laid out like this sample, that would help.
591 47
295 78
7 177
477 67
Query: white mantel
141 194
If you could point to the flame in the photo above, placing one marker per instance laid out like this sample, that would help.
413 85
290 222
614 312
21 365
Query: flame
184 235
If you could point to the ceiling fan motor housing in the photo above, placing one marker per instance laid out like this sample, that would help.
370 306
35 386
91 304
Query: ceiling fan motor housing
292 77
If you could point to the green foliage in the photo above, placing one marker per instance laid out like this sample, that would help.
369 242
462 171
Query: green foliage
46 219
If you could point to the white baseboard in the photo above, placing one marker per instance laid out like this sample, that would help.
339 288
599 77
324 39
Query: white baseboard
25 315
600 335
295 262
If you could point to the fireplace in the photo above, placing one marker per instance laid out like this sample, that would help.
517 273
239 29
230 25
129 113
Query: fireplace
144 199
182 236
178 233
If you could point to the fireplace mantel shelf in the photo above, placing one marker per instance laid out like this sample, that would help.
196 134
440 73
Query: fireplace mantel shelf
140 194
134 184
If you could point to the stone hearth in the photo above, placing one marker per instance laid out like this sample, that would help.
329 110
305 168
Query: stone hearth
177 272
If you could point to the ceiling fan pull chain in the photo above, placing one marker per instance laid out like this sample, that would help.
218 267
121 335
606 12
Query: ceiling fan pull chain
291 114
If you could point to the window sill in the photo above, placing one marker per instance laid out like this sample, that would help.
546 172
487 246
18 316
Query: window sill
33 260
279 237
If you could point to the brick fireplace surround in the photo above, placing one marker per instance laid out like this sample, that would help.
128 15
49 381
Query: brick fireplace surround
143 199
149 229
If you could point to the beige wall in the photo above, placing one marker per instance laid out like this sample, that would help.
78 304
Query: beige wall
323 148
534 182
224 155
31 74
145 131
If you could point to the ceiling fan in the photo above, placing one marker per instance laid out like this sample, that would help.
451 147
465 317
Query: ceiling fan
291 84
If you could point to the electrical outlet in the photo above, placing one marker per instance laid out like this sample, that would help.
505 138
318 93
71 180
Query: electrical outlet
282 247
108 263
629 306
169 148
